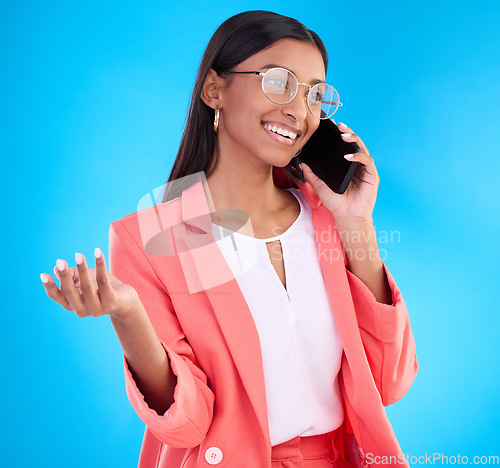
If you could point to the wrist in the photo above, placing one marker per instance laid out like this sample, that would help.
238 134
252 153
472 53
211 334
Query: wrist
354 222
355 230
129 310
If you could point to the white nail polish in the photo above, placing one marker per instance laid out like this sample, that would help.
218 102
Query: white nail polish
348 156
97 252
60 265
44 278
78 258
346 135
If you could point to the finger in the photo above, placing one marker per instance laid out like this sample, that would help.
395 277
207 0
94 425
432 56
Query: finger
309 175
317 184
73 273
104 289
87 286
344 128
365 159
74 298
53 291
349 136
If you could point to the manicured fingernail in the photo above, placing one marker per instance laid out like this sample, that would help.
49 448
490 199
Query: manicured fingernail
60 265
44 278
343 124
78 258
348 156
97 252
346 135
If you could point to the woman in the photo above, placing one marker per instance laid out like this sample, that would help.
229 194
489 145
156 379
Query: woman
239 352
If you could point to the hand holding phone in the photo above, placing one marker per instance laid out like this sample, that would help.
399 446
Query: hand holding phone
324 154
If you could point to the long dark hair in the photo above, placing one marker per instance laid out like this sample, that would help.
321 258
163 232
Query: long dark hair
237 39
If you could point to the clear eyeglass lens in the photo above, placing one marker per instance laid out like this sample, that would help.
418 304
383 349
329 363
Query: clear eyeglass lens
323 100
279 85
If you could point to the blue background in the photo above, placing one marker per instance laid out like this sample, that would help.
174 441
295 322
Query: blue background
93 102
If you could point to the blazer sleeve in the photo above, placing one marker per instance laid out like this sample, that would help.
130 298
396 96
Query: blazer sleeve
188 419
387 338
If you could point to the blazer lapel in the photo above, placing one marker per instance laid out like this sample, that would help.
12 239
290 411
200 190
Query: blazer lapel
204 259
330 251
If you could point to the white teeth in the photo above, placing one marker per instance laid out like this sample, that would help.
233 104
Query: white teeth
280 131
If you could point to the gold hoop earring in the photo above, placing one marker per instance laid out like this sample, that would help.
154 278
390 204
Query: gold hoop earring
216 119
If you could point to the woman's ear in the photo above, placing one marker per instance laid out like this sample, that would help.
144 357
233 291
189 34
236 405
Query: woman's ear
210 91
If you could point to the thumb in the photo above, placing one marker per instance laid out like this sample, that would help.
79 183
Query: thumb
309 175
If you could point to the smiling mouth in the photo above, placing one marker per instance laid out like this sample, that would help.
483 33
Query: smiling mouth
281 131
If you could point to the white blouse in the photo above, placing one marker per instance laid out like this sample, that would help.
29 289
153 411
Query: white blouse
300 344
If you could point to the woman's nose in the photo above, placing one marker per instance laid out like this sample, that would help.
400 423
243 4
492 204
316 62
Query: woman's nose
297 107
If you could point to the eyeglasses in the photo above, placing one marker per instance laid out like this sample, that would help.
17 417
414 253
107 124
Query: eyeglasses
281 86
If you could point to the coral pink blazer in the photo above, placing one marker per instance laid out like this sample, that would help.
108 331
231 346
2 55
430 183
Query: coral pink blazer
219 417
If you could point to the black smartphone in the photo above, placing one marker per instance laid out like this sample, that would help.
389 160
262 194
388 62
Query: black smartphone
324 154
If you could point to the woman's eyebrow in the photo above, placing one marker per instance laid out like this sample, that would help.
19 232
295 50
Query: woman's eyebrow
274 65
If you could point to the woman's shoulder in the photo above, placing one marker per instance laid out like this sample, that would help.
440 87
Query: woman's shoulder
178 201
154 216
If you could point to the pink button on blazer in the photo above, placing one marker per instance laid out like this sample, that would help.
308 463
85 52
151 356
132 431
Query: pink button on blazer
219 417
